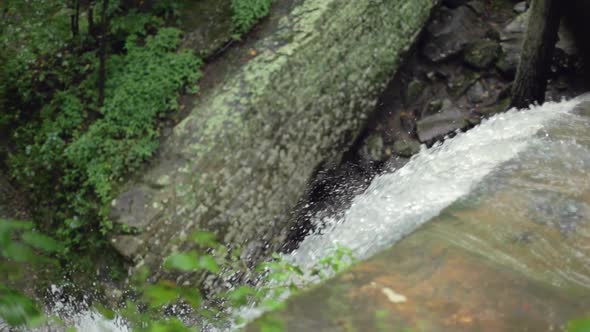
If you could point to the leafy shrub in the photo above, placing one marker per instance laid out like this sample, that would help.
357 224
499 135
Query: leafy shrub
84 153
21 246
142 86
246 13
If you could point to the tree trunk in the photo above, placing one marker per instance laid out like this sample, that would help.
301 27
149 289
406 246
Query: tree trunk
537 53
102 52
75 18
90 15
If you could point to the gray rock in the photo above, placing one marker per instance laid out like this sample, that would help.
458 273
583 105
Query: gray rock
516 28
451 31
208 24
372 148
441 124
433 107
512 37
482 54
459 84
454 3
521 7
436 76
415 89
499 107
509 58
477 6
566 41
406 147
240 162
476 94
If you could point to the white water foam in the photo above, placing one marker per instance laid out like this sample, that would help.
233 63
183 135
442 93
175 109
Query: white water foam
398 203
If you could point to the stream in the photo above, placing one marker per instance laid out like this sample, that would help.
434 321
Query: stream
510 196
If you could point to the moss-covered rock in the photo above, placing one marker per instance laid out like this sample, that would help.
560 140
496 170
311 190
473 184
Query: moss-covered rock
240 162
406 147
372 148
415 89
208 25
482 54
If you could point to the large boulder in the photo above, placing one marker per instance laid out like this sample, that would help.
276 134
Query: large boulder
441 124
451 31
242 159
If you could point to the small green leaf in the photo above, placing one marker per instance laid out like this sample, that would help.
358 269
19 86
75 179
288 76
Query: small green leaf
208 263
272 305
271 324
106 312
203 238
182 262
192 296
161 294
239 297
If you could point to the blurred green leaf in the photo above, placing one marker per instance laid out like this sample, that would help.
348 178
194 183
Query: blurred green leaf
207 239
580 325
161 294
239 297
192 296
271 324
42 242
106 312
182 262
18 252
17 309
208 263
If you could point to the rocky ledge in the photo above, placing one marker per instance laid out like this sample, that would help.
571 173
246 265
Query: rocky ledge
242 159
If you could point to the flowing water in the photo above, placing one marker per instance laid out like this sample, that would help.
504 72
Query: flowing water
512 198
396 204
504 243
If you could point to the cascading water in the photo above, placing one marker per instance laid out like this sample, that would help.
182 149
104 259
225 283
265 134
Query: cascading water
500 222
399 202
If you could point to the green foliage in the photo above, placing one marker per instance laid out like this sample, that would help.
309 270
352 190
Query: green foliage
16 309
276 280
146 310
70 154
246 13
143 85
83 151
580 325
21 248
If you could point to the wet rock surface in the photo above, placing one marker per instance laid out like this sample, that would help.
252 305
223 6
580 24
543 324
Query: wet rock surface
208 26
451 31
482 54
438 125
243 157
463 68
